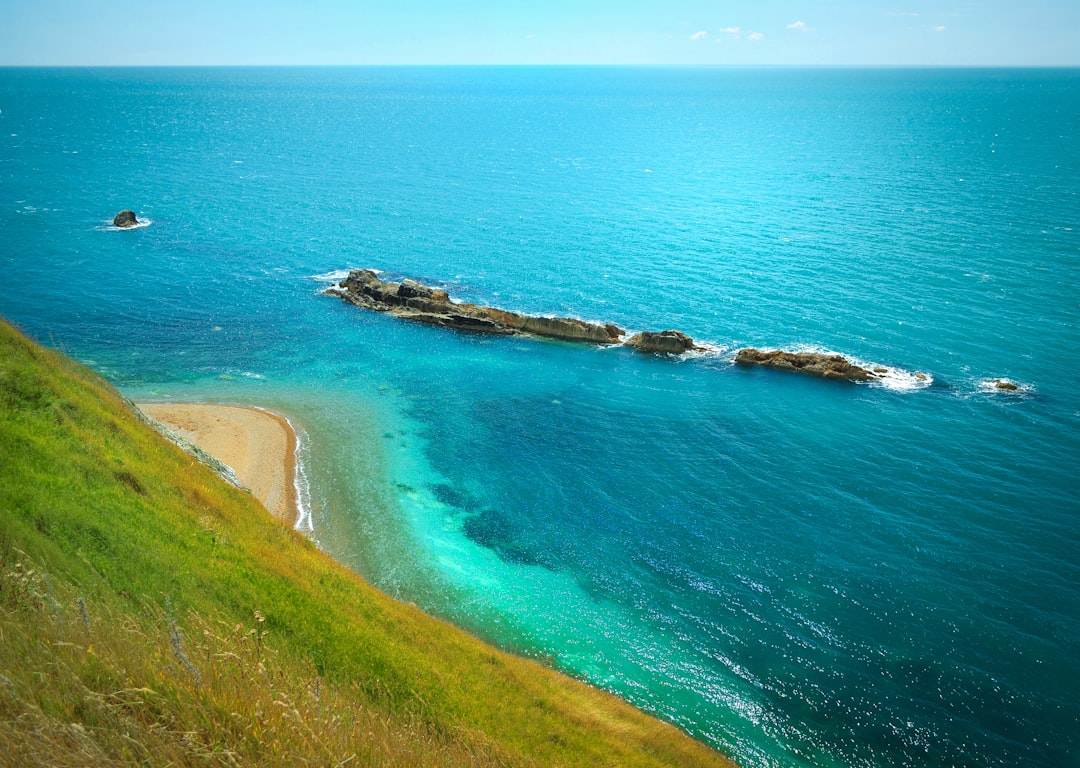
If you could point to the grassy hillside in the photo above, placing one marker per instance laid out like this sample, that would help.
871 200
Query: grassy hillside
152 614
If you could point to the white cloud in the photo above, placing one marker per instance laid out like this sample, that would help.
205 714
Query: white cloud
698 35
939 28
801 25
739 34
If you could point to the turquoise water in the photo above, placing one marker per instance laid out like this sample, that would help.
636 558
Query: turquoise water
798 572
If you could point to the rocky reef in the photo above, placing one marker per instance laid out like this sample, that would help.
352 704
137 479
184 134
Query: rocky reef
125 220
411 300
814 363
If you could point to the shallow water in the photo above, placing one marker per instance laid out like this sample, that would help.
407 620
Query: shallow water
796 571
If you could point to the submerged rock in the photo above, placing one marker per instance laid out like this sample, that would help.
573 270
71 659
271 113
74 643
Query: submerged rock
415 301
663 342
125 220
815 363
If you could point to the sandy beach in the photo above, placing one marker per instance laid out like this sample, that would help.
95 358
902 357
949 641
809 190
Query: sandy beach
259 446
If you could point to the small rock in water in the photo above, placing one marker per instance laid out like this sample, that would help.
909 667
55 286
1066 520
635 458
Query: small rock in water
125 219
1006 385
665 342
816 363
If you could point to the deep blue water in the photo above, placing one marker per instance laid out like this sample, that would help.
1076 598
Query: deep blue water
799 572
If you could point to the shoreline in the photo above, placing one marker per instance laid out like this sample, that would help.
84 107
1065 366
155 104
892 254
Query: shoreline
258 445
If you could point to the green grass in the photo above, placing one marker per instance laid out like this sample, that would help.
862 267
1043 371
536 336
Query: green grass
151 614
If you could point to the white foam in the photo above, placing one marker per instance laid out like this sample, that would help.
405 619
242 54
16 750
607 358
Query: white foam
334 276
108 226
301 485
884 376
898 379
707 349
890 377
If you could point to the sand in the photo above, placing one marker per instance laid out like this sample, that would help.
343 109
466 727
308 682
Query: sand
259 446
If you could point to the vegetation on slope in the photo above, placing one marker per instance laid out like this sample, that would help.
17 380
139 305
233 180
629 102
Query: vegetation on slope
152 614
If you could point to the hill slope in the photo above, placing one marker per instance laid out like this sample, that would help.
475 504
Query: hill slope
151 613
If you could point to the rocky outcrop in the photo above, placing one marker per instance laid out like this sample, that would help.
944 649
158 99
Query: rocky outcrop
815 363
411 300
125 220
1005 384
664 342
566 328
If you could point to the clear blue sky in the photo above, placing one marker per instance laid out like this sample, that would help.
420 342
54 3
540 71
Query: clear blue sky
679 32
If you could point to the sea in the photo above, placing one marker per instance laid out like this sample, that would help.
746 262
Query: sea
799 572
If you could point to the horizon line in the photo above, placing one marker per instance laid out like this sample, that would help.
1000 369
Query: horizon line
593 65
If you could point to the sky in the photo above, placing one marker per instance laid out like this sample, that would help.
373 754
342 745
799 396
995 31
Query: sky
638 32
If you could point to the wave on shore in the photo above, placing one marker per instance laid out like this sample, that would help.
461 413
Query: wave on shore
301 484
